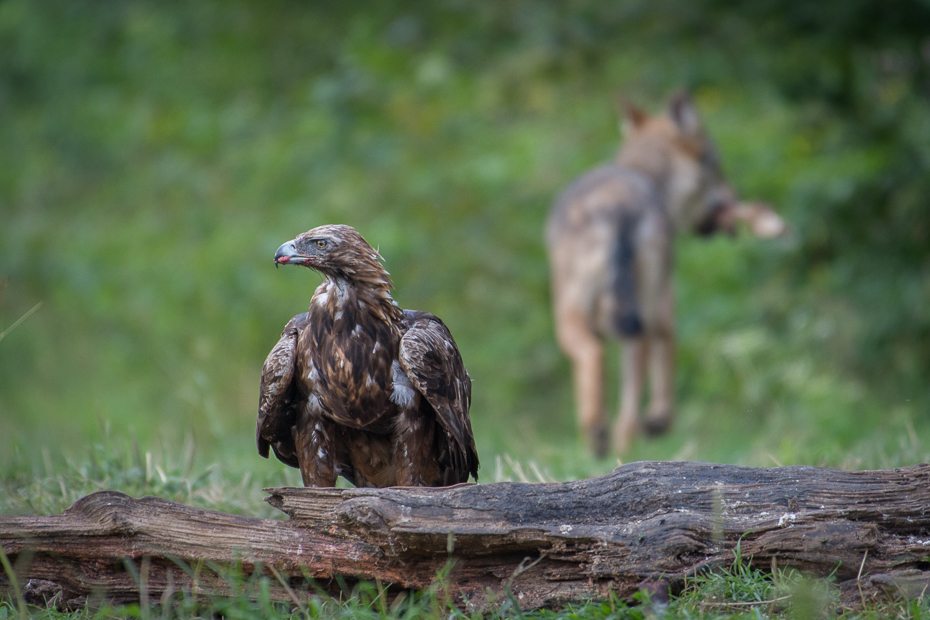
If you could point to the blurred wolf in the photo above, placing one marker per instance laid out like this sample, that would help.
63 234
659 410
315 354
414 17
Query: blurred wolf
609 238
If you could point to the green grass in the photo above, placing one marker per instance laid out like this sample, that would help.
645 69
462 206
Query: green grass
738 591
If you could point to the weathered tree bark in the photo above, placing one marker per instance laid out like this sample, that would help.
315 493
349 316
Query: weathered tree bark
645 524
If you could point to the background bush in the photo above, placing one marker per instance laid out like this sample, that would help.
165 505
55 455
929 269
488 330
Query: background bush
154 154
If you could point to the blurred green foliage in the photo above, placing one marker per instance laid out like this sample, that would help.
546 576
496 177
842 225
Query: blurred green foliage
154 154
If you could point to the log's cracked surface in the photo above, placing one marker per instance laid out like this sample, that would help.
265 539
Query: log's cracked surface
645 524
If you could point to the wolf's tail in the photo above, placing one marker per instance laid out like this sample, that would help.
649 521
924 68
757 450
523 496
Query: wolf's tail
626 319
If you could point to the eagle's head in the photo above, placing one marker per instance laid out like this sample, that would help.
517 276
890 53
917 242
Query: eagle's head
337 251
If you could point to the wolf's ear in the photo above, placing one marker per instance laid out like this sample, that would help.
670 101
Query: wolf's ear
685 115
631 116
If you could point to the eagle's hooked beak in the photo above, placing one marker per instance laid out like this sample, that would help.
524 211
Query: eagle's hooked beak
288 254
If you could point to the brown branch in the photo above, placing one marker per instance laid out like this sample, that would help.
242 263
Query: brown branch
644 525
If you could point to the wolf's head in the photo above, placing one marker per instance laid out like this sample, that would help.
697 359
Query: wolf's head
674 150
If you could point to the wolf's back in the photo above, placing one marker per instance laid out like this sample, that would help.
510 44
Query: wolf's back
593 233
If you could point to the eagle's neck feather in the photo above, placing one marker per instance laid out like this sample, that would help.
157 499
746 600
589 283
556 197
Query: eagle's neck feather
372 297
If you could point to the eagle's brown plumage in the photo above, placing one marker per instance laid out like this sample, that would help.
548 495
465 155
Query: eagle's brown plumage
357 387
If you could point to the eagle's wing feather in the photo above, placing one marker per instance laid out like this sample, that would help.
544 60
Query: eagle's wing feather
431 360
276 414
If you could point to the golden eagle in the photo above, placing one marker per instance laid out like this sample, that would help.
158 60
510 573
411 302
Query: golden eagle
357 387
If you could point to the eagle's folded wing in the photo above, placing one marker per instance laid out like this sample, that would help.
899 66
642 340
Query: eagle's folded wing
276 414
431 360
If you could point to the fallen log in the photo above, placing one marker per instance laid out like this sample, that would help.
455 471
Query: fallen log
645 525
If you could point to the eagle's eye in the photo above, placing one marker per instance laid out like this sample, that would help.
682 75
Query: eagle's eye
321 243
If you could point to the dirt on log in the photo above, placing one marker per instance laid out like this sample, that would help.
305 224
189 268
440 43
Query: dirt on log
645 525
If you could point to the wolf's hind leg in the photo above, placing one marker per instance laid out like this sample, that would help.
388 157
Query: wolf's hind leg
661 385
587 355
661 337
633 369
